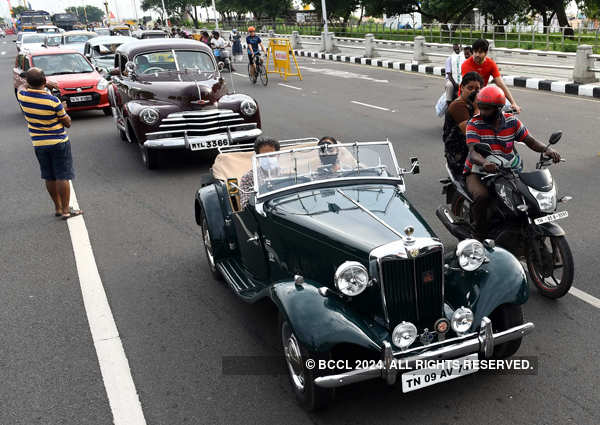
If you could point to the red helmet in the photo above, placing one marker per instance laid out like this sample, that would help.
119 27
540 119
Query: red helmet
250 29
491 96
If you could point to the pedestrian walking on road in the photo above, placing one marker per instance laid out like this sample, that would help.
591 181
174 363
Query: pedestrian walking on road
237 52
46 118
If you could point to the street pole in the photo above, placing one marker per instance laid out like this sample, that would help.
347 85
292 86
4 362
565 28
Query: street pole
324 9
216 15
166 14
135 9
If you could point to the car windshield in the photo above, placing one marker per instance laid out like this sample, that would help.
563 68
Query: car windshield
154 35
79 38
306 165
102 31
173 60
105 51
53 40
68 63
124 31
33 38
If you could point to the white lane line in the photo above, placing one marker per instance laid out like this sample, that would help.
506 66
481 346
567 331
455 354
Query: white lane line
240 75
370 106
584 296
289 87
118 382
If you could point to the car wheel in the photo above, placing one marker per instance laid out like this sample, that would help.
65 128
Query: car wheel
505 317
308 394
149 157
107 111
208 250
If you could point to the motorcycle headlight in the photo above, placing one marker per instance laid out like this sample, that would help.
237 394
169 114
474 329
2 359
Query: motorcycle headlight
102 84
404 335
149 116
249 107
546 200
462 319
471 254
351 278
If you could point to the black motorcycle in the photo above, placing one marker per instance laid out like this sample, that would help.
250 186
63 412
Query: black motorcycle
522 217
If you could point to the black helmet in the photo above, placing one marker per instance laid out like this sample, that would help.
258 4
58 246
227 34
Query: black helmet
215 33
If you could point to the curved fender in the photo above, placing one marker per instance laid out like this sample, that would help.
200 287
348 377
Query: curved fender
208 200
551 229
321 322
500 281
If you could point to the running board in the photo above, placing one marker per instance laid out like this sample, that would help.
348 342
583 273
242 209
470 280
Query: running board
459 230
236 277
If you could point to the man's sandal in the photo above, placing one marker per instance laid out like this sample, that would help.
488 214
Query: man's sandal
72 213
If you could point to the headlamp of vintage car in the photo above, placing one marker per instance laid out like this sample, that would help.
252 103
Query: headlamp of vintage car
462 319
248 107
149 116
546 200
351 278
102 84
404 335
470 254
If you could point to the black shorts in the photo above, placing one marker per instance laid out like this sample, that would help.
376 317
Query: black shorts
56 162
253 58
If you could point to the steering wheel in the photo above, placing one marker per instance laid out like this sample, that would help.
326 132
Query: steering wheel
153 69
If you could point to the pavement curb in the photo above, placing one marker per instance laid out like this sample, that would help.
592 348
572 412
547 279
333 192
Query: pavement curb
568 87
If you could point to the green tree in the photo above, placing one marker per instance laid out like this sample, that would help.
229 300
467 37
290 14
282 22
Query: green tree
445 11
503 13
93 13
16 11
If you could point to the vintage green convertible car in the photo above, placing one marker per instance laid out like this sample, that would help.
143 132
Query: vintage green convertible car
363 286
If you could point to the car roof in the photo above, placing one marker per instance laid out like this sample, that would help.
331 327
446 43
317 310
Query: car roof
153 44
78 32
48 51
109 39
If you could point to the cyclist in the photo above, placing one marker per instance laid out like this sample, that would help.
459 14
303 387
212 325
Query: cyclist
253 42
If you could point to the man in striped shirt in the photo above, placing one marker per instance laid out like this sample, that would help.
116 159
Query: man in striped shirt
500 131
47 119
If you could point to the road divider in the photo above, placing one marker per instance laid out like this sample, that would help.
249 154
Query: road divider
116 374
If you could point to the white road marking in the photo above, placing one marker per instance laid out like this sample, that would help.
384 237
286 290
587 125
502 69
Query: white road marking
584 296
290 87
239 75
118 382
370 106
342 74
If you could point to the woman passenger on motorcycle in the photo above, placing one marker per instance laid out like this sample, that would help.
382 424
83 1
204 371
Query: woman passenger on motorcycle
455 124
501 131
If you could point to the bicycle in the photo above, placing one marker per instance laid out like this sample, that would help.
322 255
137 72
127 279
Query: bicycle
260 70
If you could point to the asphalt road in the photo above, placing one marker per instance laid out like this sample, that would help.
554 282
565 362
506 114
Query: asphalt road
176 322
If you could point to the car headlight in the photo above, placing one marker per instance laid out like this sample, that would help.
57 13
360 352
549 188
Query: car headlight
248 107
404 335
462 319
471 254
545 200
149 116
351 278
102 84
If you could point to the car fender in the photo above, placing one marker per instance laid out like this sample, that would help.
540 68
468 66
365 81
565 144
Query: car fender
321 322
208 202
501 280
551 229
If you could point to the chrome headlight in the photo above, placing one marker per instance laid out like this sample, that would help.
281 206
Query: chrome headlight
149 116
462 319
102 84
404 335
351 278
248 107
471 254
546 200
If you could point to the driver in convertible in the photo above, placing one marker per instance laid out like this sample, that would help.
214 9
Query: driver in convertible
501 131
266 165
328 156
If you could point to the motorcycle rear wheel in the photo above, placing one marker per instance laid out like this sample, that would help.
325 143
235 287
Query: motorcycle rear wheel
543 274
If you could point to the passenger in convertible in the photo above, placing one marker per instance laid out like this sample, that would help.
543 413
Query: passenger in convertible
328 156
266 165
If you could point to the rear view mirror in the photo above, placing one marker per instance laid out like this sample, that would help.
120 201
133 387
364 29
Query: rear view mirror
555 137
221 66
23 74
130 67
416 166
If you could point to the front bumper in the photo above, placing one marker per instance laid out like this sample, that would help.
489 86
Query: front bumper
482 342
195 143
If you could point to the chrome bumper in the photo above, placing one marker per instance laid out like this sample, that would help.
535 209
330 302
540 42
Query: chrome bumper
482 342
195 143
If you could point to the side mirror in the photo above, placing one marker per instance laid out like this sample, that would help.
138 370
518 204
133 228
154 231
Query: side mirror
416 166
23 74
483 149
130 68
221 66
232 186
555 137
14 41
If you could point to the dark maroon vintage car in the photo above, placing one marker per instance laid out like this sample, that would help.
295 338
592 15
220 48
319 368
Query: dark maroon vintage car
169 94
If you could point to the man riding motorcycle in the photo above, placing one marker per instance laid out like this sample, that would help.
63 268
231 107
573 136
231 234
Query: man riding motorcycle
501 131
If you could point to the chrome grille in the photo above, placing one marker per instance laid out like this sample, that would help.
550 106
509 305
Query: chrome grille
413 289
200 122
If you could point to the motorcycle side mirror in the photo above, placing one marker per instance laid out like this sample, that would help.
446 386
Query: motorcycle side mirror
23 74
416 166
555 137
221 66
483 149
